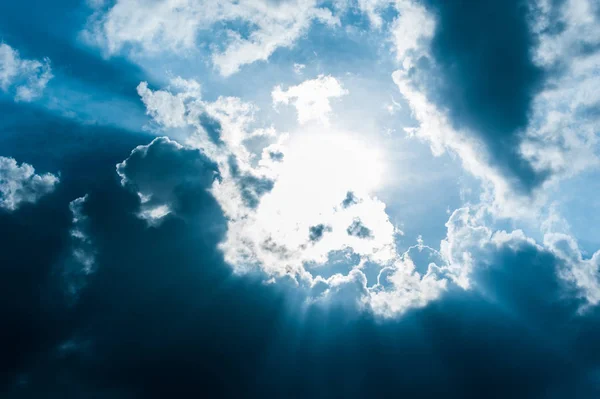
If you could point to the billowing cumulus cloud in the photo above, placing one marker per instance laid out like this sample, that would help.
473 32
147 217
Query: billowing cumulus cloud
161 172
252 30
291 215
22 78
288 215
165 293
20 184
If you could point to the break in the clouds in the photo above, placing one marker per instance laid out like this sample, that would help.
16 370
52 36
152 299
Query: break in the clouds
273 198
19 184
289 215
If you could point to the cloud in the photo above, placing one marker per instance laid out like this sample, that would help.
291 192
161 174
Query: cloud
514 115
82 260
359 230
165 293
470 243
270 233
311 98
166 109
20 184
252 30
287 215
25 79
161 172
562 132
583 273
248 272
410 29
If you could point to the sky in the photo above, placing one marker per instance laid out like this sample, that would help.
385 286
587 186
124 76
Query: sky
300 199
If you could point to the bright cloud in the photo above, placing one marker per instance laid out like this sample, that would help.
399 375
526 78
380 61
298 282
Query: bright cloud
306 196
562 134
23 78
175 24
311 98
20 184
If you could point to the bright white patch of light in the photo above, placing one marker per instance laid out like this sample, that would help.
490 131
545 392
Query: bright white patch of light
332 162
302 202
318 171
154 215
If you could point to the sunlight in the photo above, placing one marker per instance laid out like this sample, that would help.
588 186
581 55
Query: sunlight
319 174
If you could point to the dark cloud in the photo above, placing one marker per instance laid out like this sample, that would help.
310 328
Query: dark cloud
349 200
163 316
167 174
276 155
251 187
35 239
212 127
484 76
358 229
315 233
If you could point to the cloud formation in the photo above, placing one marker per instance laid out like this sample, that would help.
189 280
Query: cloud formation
505 105
311 98
288 215
161 172
24 79
251 30
20 184
230 250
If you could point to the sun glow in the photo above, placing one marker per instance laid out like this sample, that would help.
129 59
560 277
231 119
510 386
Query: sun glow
333 162
325 185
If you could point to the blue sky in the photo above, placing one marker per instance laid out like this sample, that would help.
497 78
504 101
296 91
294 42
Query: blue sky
296 198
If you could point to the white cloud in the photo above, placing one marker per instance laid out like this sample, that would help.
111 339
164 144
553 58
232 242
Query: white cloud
584 274
413 26
25 79
82 261
470 243
299 68
373 9
401 288
562 134
165 108
20 184
175 24
311 98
